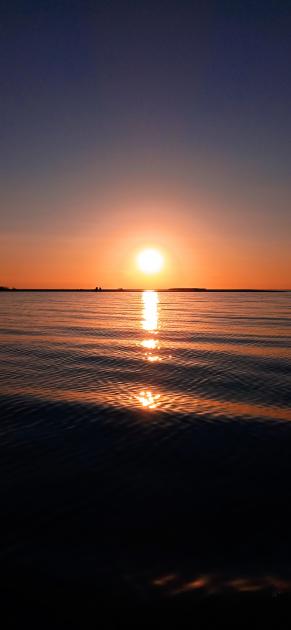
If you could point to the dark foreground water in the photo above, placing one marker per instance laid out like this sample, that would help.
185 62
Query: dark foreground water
145 449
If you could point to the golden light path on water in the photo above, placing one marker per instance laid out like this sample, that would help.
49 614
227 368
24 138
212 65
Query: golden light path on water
150 324
150 313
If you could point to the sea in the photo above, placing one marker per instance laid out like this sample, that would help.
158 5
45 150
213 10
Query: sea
145 443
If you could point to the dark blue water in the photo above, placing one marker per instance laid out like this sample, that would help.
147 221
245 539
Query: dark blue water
145 444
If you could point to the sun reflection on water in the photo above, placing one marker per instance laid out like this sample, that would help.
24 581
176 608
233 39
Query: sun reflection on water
150 323
150 344
150 311
148 399
152 358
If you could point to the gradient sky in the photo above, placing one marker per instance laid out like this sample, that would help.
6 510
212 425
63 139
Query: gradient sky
136 124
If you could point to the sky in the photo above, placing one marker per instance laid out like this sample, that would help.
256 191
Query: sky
134 124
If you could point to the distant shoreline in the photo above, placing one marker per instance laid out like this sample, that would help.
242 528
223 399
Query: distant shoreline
174 290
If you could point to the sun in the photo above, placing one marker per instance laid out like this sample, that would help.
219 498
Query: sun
150 261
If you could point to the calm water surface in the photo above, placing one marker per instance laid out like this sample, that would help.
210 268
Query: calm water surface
145 440
217 355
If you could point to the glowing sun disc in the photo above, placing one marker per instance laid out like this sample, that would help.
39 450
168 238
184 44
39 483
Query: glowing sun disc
150 261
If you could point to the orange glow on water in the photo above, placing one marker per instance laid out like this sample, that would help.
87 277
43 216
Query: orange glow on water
174 584
150 311
148 400
152 357
150 323
150 344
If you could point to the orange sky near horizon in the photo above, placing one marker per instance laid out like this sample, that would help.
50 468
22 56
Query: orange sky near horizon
190 260
83 240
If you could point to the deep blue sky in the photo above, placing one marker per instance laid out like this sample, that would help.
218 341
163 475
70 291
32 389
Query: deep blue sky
151 96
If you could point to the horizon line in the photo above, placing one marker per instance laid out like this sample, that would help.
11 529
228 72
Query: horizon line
139 290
